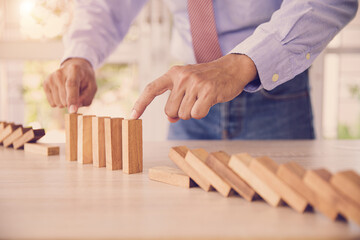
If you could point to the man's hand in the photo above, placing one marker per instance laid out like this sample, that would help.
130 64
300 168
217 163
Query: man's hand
196 88
73 85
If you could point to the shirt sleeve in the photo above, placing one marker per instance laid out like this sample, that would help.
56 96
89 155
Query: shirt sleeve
97 27
295 35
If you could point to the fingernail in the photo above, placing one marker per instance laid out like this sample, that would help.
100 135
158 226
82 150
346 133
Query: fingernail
72 109
133 114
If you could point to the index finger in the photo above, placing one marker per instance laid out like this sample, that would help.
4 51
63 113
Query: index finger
72 88
153 89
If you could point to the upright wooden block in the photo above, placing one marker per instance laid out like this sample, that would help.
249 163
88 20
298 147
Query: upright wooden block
113 143
9 129
85 155
42 149
98 141
196 159
348 183
30 136
292 174
218 162
265 168
8 141
240 163
172 176
71 134
177 155
319 181
132 146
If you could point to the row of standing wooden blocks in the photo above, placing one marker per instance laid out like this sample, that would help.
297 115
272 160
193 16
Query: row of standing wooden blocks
336 196
114 143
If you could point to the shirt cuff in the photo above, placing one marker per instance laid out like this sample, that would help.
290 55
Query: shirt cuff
81 50
272 60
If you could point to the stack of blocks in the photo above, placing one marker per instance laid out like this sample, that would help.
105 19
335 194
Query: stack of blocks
114 143
336 196
19 137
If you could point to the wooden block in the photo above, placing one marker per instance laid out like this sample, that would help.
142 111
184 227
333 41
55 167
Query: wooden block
319 181
132 146
348 183
218 162
98 141
113 143
2 126
85 155
172 176
9 129
240 163
196 159
30 136
8 141
177 155
42 149
71 134
265 168
292 174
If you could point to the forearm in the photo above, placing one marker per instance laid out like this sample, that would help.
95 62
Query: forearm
296 34
97 27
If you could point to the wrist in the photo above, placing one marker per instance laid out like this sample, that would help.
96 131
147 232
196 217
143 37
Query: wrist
245 67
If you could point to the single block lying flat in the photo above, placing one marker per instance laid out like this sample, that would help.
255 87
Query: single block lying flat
196 159
71 134
265 168
240 163
177 155
113 143
9 129
292 174
42 149
218 162
8 141
30 136
172 176
98 141
318 181
132 146
348 183
85 155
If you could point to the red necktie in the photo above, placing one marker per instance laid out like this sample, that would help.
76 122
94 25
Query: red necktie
203 30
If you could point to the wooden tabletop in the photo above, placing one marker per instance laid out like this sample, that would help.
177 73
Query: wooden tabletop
49 198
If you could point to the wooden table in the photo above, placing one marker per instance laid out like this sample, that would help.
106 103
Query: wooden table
50 198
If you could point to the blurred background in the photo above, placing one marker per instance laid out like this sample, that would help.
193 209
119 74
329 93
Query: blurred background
31 47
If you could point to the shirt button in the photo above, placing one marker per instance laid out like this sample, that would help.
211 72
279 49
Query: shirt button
275 77
307 56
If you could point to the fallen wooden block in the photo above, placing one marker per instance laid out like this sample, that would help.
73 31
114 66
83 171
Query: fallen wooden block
218 162
71 136
113 143
3 125
42 149
177 155
9 129
85 155
348 183
292 174
240 163
265 168
319 181
98 141
132 146
8 141
172 176
196 159
30 136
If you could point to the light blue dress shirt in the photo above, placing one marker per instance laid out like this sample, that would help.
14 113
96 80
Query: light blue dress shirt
283 38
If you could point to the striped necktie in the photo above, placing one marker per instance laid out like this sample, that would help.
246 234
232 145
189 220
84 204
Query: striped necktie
203 30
